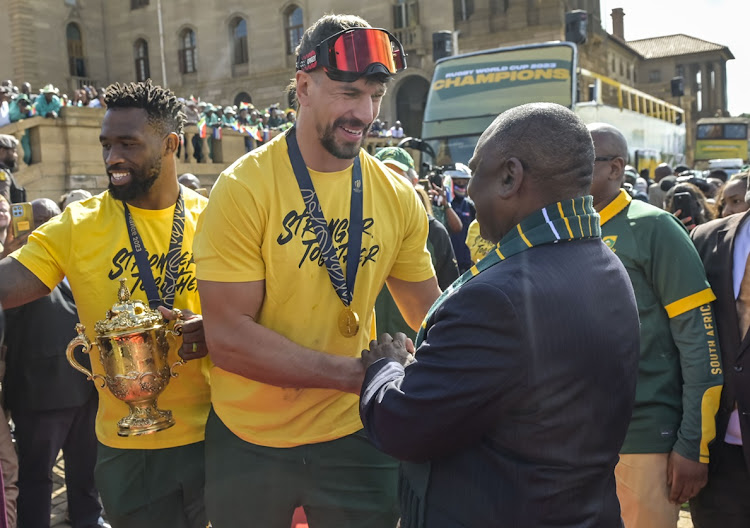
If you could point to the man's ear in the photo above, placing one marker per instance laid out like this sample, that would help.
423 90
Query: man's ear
304 83
171 144
618 169
511 177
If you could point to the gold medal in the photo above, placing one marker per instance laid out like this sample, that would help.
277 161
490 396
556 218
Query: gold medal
348 322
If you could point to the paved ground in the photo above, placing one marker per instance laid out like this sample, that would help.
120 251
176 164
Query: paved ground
59 504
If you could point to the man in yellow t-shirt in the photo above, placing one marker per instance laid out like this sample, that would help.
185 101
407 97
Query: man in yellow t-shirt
154 480
286 344
478 246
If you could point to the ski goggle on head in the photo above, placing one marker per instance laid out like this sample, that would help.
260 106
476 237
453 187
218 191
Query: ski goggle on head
352 53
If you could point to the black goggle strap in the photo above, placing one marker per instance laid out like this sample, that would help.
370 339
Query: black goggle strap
308 62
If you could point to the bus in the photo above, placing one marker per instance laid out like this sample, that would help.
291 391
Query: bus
721 138
468 91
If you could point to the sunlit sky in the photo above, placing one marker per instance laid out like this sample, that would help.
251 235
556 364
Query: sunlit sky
722 22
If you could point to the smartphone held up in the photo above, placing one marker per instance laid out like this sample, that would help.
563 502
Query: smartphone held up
22 218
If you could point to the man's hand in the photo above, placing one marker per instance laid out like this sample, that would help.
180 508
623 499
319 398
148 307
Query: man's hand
193 338
437 194
688 221
12 243
399 347
685 478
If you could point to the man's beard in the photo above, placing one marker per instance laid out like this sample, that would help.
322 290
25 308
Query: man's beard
139 185
347 150
11 163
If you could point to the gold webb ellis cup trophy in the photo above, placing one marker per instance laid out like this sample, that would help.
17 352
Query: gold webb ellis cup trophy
133 346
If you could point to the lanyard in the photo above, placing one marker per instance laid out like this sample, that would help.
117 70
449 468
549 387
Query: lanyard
172 267
344 287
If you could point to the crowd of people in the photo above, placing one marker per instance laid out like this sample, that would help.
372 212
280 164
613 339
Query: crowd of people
257 125
381 129
559 338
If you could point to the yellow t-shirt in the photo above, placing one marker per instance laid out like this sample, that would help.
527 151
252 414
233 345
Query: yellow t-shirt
89 245
478 247
255 228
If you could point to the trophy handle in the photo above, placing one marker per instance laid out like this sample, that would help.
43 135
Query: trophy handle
176 331
82 340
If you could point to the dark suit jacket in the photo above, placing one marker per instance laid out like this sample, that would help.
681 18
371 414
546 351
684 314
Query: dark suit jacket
715 243
518 404
38 376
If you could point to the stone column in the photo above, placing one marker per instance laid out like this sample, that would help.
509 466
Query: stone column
23 44
705 90
720 73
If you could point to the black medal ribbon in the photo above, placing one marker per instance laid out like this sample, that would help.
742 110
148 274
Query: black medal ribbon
172 267
344 286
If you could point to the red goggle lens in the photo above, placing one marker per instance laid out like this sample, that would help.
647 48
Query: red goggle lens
356 50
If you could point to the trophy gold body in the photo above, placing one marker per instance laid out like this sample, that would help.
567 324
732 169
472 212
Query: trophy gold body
133 343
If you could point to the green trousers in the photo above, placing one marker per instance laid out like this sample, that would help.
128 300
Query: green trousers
152 488
342 483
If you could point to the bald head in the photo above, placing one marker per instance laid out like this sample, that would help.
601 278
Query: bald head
190 181
608 137
662 170
611 149
44 209
552 144
531 156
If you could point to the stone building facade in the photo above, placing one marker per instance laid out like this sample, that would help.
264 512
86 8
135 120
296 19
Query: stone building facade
225 51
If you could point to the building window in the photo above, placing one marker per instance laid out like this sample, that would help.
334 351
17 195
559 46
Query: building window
499 7
463 9
242 97
187 51
142 69
405 14
136 4
76 61
654 76
71 2
293 28
239 41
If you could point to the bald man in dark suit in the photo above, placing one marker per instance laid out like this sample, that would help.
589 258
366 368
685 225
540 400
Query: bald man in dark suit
516 407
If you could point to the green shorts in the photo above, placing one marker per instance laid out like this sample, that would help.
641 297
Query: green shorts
152 488
342 483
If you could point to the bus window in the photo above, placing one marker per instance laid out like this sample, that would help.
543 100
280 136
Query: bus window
735 131
458 149
709 132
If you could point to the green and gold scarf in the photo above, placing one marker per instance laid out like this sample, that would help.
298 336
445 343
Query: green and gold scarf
574 219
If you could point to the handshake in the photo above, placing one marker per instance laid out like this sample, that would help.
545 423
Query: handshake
398 347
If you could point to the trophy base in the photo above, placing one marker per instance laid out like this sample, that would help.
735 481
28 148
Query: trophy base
144 420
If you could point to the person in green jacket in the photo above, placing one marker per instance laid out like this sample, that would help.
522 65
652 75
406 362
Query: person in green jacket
664 459
20 108
50 103
229 118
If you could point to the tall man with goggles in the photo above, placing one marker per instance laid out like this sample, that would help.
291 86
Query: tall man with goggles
297 241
